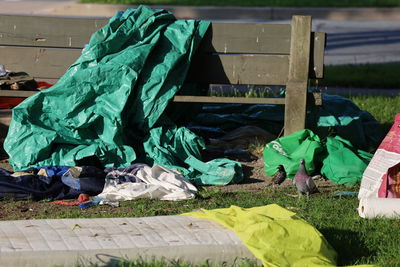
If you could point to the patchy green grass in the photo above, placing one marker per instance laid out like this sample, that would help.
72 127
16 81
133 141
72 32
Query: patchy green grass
383 108
361 76
357 241
164 262
280 3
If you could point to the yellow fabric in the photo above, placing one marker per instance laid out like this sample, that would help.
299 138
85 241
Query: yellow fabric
274 235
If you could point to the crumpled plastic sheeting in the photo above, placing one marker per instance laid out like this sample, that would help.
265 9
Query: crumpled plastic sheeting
337 116
344 164
341 162
145 182
274 235
110 97
340 116
167 147
217 171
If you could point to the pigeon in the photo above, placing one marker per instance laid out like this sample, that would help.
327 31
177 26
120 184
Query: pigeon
280 175
304 182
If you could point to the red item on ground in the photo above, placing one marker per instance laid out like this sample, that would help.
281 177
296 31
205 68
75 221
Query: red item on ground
82 198
44 84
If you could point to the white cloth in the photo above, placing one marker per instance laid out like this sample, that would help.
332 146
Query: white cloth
157 183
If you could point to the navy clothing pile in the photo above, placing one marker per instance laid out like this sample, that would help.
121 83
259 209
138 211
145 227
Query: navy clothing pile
53 183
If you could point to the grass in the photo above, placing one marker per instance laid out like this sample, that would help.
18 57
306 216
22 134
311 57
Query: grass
361 76
383 108
357 241
250 91
279 3
155 262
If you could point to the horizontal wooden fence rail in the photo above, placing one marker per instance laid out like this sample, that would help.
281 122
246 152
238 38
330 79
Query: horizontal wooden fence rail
286 55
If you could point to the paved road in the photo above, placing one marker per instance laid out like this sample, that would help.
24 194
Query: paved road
360 42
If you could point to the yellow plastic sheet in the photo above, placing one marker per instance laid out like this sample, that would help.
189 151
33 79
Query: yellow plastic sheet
274 235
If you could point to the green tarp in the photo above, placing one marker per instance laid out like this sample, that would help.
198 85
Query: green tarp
336 116
110 103
334 157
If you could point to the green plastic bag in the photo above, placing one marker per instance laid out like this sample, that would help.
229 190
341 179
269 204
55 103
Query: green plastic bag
288 151
341 162
344 164
110 98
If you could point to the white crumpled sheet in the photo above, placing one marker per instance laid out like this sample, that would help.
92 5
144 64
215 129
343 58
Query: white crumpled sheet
157 182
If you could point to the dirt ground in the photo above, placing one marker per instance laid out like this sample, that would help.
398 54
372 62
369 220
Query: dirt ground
255 180
255 177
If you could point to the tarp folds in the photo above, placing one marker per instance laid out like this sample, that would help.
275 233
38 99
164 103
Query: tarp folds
340 161
340 116
337 116
179 148
344 164
111 97
172 146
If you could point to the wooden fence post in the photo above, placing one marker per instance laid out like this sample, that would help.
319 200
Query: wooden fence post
296 88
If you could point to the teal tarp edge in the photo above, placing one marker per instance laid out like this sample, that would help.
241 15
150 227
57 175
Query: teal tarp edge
110 101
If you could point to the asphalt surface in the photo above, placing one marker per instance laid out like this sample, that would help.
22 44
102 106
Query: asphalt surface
359 42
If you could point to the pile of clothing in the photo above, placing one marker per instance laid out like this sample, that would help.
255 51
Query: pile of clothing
112 185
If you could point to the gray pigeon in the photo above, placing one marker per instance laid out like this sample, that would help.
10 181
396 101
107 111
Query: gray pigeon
303 182
280 175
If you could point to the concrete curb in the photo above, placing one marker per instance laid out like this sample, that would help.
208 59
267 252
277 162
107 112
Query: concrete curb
71 8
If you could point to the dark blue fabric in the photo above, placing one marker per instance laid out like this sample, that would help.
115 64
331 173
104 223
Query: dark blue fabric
39 187
337 116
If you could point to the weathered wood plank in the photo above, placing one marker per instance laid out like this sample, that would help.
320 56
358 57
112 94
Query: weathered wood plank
315 98
47 31
225 69
16 93
317 55
44 63
296 88
240 69
75 32
236 100
247 38
222 37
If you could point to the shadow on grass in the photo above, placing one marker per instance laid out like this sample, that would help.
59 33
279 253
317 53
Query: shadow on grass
348 245
248 172
386 127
